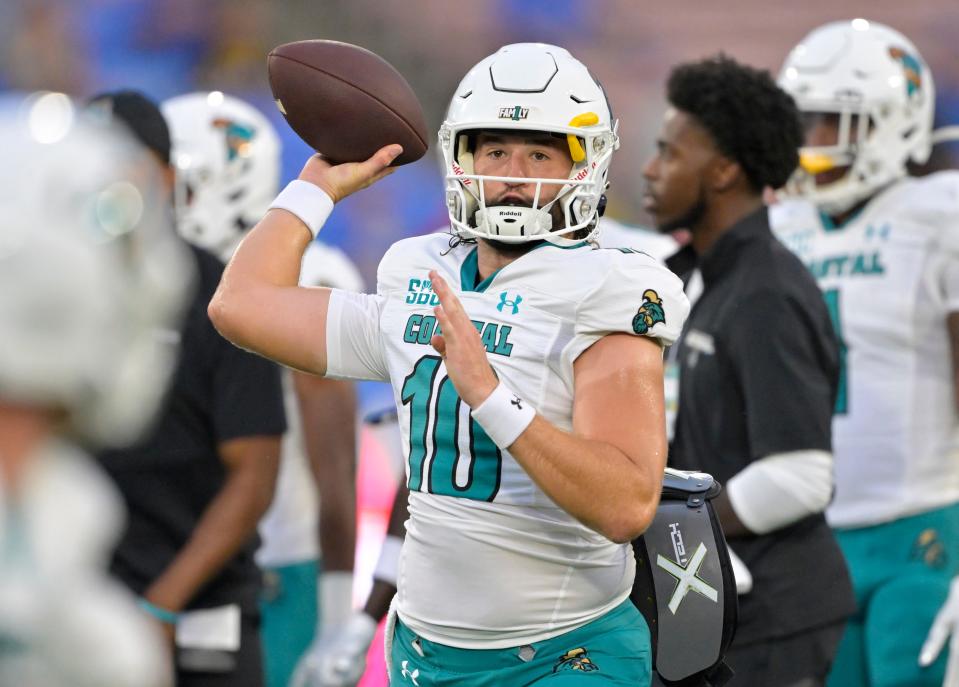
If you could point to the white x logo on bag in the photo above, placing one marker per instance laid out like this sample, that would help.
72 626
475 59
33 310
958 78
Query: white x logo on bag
687 578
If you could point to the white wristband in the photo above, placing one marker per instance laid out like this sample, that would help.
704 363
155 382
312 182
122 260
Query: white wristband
388 564
307 201
504 415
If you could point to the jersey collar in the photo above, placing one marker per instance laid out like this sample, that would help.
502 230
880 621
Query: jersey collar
469 270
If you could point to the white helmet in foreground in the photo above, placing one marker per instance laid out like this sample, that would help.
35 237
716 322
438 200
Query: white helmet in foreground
876 82
529 87
92 277
227 159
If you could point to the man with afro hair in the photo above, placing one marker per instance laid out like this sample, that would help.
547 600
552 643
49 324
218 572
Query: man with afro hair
757 366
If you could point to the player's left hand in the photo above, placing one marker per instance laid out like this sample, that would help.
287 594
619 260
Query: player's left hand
945 627
461 347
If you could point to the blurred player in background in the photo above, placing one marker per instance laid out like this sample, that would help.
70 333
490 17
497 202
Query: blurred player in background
338 659
309 534
758 366
513 571
87 250
884 248
199 484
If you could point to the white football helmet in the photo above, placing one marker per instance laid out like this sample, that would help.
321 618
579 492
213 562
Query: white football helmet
92 276
875 80
227 159
529 87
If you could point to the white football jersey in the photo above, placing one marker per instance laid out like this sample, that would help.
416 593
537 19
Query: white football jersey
288 530
613 234
890 277
489 560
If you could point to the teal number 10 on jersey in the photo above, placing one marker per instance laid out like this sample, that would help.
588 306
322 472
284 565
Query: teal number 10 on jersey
435 426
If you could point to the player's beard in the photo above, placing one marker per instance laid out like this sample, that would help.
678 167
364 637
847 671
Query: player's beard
688 219
516 249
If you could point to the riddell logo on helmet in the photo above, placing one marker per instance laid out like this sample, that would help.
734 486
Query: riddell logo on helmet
583 173
458 171
512 213
515 113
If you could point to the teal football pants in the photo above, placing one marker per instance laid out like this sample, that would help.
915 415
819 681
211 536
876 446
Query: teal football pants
900 572
289 617
612 650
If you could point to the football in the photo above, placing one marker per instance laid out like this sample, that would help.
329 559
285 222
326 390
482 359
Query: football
345 101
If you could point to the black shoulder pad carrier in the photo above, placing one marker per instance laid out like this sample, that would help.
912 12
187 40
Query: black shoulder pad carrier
684 584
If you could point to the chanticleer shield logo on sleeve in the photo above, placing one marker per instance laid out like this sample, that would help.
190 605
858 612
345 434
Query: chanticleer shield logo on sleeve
649 313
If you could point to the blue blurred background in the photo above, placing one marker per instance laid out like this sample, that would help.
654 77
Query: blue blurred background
168 47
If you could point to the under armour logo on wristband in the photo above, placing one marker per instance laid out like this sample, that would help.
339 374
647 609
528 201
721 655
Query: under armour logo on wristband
503 416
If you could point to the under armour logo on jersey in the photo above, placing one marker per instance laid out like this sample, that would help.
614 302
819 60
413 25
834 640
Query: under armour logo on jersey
411 674
518 402
880 232
687 578
504 300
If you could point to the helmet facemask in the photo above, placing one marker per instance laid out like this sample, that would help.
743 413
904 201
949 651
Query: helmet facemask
568 218
834 172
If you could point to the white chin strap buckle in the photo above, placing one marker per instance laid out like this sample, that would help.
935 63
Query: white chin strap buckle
511 221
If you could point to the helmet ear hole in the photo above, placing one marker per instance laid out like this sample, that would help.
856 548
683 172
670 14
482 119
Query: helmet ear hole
464 151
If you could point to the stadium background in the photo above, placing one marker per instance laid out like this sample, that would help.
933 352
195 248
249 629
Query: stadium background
168 47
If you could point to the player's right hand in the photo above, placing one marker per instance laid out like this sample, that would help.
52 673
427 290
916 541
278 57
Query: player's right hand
340 181
338 658
460 347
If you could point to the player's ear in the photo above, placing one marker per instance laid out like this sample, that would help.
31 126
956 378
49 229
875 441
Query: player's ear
169 177
723 174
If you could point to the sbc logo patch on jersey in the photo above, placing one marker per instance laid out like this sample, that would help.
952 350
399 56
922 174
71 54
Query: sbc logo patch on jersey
649 313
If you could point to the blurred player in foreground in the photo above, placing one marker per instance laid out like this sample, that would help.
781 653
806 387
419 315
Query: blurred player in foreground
338 658
523 394
884 248
86 303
